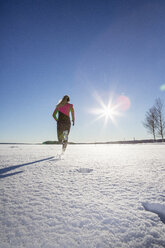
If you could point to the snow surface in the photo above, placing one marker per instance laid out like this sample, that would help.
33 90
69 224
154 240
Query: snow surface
94 196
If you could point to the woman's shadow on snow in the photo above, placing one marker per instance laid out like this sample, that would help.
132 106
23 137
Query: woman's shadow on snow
14 167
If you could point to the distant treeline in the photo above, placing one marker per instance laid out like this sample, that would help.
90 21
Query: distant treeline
54 143
110 142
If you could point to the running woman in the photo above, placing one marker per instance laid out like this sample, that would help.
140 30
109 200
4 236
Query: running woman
63 110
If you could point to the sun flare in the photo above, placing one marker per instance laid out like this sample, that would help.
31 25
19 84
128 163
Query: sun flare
107 111
111 110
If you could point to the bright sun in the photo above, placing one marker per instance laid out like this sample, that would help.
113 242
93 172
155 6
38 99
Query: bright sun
107 111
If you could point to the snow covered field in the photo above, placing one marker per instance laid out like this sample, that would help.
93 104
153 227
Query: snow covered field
95 196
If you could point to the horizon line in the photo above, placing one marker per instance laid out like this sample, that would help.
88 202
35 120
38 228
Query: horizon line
96 142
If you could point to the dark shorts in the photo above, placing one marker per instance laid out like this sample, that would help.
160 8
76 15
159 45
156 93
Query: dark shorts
63 124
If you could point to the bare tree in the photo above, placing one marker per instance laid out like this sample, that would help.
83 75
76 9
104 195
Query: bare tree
150 122
160 117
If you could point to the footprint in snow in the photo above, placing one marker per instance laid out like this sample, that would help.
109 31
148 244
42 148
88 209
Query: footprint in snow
84 170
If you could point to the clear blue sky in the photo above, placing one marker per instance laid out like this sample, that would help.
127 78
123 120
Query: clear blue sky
50 48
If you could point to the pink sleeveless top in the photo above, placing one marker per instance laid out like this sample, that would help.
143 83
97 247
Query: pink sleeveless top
66 109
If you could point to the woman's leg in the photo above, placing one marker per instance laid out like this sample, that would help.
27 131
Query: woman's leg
63 129
65 140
